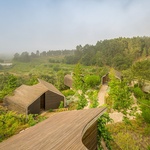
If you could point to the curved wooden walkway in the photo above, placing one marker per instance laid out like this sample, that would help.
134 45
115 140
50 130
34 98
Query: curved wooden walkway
63 131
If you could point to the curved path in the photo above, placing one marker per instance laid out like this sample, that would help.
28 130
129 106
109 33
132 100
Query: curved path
62 131
101 94
116 116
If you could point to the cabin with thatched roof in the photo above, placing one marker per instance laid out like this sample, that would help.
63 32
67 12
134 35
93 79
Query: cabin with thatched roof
33 99
105 79
68 80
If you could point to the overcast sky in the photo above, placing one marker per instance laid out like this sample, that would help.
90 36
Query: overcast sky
30 25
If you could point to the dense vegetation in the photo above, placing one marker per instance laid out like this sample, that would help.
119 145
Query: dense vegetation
128 98
119 53
12 123
88 64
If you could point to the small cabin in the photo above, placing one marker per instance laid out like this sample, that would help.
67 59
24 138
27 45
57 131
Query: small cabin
34 99
68 80
105 79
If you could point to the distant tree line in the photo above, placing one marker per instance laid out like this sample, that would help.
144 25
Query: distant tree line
118 53
26 57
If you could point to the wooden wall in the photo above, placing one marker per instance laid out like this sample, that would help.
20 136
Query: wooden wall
89 138
52 100
34 108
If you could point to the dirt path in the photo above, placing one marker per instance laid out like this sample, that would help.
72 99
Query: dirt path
101 94
116 116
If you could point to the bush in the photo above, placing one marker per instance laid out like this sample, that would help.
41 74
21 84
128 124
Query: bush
145 108
12 123
93 96
92 80
82 102
138 92
56 68
61 105
68 93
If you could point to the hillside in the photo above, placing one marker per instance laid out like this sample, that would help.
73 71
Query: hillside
119 53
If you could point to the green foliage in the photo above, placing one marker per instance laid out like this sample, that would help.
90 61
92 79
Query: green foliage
8 83
78 78
141 71
32 80
92 80
68 92
33 119
56 68
60 80
145 108
138 92
126 141
130 136
72 106
103 133
51 110
82 101
120 95
93 96
61 105
121 62
144 102
119 53
11 122
24 57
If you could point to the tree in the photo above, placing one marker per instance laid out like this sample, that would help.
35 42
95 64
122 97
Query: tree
92 80
120 95
8 83
78 78
24 57
37 53
16 57
141 71
82 101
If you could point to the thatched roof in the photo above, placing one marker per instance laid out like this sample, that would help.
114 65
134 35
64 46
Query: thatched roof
25 95
118 74
68 80
50 87
62 131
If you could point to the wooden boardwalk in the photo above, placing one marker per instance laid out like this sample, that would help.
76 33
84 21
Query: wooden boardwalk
62 131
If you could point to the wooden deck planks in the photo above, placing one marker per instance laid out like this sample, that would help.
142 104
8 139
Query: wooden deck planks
61 131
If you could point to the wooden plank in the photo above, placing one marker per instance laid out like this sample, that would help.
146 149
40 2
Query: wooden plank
61 131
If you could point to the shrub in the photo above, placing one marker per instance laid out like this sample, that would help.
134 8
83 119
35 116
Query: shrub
12 123
56 68
92 80
61 105
93 96
68 92
82 102
138 92
145 108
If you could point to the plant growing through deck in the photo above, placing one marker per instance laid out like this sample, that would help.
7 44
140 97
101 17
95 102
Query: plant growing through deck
103 133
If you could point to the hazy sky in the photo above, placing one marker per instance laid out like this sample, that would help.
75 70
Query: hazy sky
30 25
